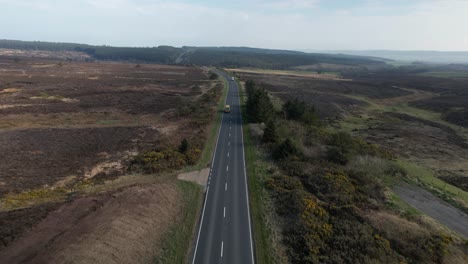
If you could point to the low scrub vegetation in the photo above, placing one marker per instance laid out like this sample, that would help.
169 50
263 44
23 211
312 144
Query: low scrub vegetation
326 185
161 160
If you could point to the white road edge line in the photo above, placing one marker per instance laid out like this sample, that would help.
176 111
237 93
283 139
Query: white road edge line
246 186
208 189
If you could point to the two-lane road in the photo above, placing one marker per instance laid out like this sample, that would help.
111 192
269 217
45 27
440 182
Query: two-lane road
225 234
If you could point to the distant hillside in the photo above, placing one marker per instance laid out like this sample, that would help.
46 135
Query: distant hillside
421 56
209 56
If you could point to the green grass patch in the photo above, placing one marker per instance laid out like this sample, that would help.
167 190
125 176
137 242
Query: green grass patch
177 241
416 112
108 122
261 235
445 74
399 63
358 122
427 115
396 203
287 72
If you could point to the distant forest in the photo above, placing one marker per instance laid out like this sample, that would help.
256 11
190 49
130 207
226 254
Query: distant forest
208 56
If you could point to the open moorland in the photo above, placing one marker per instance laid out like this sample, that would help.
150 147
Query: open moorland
379 145
70 133
419 118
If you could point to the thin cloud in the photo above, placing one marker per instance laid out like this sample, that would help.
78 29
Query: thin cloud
435 24
293 4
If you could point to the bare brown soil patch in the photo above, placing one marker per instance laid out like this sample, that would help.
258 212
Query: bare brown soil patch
124 226
199 177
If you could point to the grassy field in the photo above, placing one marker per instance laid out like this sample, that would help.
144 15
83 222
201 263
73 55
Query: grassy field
360 121
446 74
263 249
324 75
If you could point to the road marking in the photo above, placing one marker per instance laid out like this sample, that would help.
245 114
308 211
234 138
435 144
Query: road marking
229 143
229 127
225 187
224 214
222 247
228 154
227 168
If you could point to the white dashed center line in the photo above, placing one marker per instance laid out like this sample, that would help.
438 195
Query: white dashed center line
228 154
224 213
222 247
225 187
227 168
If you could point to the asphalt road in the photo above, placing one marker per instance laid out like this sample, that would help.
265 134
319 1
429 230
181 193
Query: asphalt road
224 234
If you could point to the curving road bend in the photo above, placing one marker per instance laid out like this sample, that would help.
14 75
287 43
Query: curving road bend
225 233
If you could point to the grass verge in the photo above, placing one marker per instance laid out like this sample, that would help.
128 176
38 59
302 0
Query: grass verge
207 152
261 237
445 74
177 242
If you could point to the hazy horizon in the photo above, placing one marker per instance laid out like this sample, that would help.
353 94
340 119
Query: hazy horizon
360 25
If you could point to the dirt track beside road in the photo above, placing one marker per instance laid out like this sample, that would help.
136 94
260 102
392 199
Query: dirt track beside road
435 208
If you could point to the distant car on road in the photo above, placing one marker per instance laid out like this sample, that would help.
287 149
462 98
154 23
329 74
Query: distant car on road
232 78
227 109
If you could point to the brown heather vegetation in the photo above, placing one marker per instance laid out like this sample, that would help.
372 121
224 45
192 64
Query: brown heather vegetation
74 140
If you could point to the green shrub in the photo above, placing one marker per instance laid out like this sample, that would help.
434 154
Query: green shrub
287 150
213 76
300 111
259 107
333 187
337 155
183 146
270 134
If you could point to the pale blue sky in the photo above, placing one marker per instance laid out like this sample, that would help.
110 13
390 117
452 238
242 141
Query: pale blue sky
282 24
